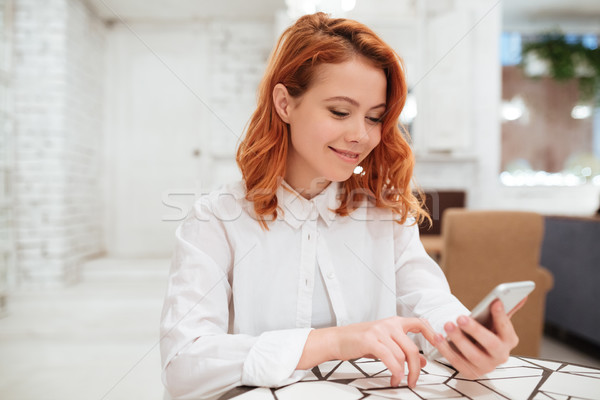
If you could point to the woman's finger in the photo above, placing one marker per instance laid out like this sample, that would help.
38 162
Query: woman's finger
411 352
454 356
418 325
383 353
503 327
466 344
517 307
396 352
484 338
470 349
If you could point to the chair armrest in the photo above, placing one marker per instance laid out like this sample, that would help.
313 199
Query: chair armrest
545 279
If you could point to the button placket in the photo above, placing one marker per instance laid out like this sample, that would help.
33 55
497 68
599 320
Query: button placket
306 274
332 284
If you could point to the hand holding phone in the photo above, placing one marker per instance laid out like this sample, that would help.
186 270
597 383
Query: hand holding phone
510 294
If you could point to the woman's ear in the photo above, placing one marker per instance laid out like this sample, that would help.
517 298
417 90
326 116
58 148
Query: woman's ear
282 100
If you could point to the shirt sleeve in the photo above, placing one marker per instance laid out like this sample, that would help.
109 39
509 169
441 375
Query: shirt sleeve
200 358
421 288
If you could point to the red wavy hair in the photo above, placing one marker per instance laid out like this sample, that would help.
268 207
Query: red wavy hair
387 171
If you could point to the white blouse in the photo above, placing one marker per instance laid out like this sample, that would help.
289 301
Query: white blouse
241 301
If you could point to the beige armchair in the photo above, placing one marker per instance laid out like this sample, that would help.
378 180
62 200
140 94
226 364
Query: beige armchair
484 248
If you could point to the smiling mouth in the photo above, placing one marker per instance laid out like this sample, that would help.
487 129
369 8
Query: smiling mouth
348 154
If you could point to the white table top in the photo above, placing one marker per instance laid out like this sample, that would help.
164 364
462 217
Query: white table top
519 378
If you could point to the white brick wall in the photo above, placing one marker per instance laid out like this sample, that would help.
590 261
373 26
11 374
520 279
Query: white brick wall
238 56
58 96
222 60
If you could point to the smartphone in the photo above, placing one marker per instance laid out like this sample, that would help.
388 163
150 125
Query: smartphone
509 293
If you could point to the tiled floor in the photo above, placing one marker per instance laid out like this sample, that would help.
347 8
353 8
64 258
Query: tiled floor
99 339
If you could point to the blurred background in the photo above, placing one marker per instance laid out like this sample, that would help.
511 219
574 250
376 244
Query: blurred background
116 114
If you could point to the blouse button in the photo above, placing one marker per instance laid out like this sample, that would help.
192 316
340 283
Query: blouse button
331 275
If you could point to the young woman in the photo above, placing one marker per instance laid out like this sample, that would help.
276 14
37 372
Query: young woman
308 259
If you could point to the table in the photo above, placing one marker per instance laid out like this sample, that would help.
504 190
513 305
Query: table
519 378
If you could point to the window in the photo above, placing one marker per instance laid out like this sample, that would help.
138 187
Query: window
550 134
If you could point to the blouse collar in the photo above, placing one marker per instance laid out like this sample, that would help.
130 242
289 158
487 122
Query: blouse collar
297 209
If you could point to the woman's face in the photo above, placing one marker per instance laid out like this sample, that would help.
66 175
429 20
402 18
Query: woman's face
335 124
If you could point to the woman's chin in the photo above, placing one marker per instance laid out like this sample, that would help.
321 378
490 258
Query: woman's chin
341 177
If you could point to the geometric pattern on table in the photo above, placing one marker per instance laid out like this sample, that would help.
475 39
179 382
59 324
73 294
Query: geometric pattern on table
519 378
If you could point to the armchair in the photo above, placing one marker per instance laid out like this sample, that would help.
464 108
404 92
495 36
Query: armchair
484 248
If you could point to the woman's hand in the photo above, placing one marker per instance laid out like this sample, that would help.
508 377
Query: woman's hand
475 350
384 339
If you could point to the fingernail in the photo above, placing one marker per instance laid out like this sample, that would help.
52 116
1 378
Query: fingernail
463 321
449 327
439 338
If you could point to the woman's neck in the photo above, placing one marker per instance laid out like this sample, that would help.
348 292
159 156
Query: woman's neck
308 190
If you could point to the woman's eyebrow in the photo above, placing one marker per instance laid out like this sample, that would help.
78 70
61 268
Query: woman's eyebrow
352 101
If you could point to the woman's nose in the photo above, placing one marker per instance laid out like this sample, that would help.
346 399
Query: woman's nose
358 132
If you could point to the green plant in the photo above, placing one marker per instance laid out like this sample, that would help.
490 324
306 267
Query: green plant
568 60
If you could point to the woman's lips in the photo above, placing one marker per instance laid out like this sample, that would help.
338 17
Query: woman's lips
346 155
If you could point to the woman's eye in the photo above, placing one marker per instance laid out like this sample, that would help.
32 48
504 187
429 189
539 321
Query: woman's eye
339 113
374 120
